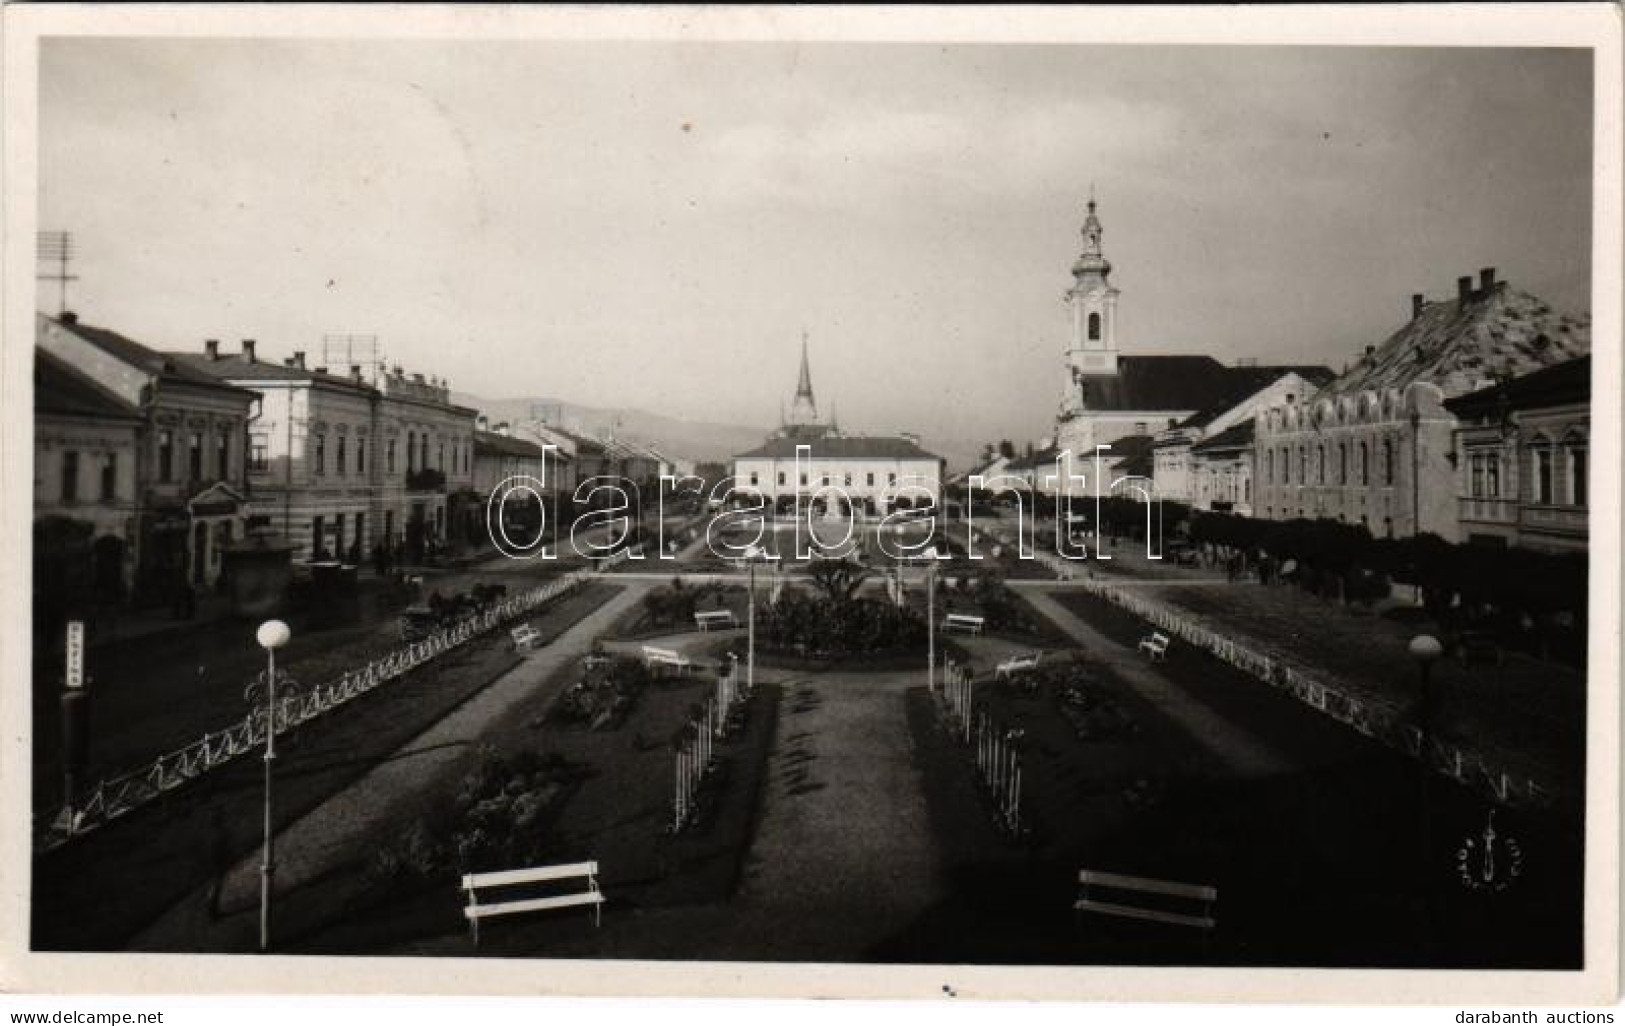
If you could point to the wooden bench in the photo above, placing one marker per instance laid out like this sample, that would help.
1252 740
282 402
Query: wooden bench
653 657
473 883
715 618
1131 906
1016 664
525 637
963 622
1155 645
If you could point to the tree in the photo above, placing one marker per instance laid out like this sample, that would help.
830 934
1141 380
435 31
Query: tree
837 579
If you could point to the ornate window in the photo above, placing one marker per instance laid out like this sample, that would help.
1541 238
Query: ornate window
1542 452
1578 467
1094 327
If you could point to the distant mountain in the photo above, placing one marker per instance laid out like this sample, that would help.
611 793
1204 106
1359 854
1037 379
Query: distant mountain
699 441
679 439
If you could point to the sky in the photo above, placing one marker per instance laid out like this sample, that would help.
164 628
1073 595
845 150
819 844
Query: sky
654 225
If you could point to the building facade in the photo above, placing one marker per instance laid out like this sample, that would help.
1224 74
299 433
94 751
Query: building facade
190 468
1522 460
1374 447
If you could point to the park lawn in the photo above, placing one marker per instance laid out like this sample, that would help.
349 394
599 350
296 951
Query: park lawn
619 815
98 891
1527 715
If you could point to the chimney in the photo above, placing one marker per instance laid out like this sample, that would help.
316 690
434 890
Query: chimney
1464 288
69 317
211 346
1417 302
1486 280
501 428
1370 351
287 361
482 422
418 378
299 358
319 370
248 351
355 373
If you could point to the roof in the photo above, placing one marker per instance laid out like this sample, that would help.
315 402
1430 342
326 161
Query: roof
1042 458
490 443
1231 439
1130 445
1458 344
1559 384
1157 383
855 447
60 389
160 365
1243 382
234 367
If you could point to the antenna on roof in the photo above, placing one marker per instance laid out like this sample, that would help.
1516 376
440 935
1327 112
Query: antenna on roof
57 247
351 351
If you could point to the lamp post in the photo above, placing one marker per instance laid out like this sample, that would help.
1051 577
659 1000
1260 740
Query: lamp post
272 635
931 620
752 554
1425 649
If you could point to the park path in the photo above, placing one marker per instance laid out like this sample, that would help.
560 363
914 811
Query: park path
1239 751
843 855
342 828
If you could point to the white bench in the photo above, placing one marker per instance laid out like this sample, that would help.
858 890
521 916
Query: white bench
475 882
1155 645
525 637
1090 882
715 618
963 622
653 657
1016 664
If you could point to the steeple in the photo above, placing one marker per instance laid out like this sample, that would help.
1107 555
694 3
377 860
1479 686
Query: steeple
1093 303
804 409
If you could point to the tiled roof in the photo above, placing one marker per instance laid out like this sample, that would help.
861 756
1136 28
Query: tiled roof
1157 383
1457 344
1568 382
855 447
1234 437
62 390
160 365
490 443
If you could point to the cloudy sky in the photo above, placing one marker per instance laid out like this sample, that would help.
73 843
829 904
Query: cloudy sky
654 225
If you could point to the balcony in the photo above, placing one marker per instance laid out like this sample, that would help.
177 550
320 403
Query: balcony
1489 511
426 479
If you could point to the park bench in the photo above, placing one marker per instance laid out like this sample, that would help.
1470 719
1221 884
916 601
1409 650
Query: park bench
525 637
1155 645
963 622
1191 904
473 883
653 657
715 618
1016 664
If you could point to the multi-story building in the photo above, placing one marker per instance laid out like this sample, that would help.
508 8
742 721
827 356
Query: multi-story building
190 475
1374 446
342 463
1221 471
1522 459
86 501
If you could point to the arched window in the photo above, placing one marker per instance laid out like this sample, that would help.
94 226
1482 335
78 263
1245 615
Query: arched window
411 450
1574 447
1365 466
1388 463
1094 327
1303 464
1320 464
1269 467
1342 463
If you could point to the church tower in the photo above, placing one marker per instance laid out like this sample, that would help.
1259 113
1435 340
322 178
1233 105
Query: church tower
804 409
1093 304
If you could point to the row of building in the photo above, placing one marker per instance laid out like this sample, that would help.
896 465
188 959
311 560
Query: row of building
1471 421
152 466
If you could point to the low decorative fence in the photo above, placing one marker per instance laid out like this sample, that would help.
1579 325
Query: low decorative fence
115 796
695 757
998 760
1380 721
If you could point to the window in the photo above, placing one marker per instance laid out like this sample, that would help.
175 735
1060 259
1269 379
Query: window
1388 465
1387 524
411 450
258 456
361 455
166 456
389 456
1320 464
194 456
1342 463
423 451
1365 464
1303 465
891 478
1543 474
70 476
440 457
109 477
1577 474
1492 475
321 454
753 477
871 479
849 478
222 455
1269 466
1139 427
342 458
781 479
803 480
1286 466
1094 327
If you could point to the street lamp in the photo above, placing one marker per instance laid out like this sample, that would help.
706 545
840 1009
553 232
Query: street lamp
752 554
272 635
930 619
1425 649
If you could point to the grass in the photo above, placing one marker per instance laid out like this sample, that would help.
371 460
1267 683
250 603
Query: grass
98 891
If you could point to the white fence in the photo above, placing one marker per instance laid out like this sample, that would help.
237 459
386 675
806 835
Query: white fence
695 757
1381 721
998 762
115 796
